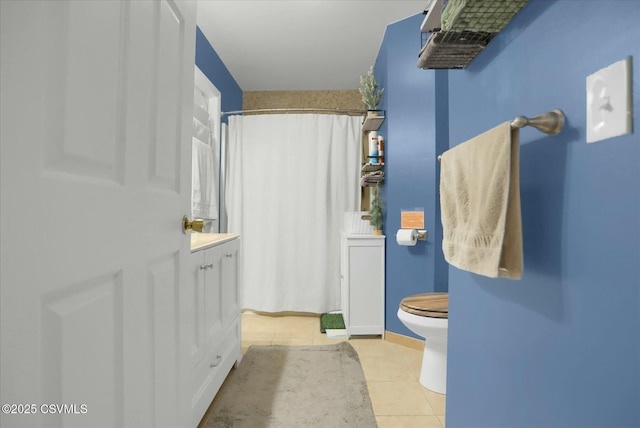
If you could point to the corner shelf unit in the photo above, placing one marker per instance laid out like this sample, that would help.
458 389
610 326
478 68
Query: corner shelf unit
371 174
371 167
372 123
374 172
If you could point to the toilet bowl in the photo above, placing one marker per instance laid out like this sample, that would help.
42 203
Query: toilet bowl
427 316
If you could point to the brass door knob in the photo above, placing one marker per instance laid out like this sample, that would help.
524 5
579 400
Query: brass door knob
197 225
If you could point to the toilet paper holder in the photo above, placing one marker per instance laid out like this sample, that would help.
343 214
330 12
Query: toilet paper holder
409 237
420 235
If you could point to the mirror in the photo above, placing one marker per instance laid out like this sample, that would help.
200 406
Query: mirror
205 152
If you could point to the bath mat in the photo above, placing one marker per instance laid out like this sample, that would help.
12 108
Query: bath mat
295 386
331 321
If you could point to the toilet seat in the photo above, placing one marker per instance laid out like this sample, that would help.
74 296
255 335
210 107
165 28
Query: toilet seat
432 305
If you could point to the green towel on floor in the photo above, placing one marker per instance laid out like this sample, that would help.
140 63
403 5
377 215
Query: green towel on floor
331 322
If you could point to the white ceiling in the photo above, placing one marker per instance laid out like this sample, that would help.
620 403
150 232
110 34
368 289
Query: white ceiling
271 45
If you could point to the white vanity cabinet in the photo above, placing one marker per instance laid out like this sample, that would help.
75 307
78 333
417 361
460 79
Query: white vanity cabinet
362 284
214 330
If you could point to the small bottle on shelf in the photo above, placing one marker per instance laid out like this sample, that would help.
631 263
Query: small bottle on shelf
373 147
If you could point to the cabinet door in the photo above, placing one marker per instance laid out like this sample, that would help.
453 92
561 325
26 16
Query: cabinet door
364 286
205 297
231 287
207 303
193 293
366 307
212 297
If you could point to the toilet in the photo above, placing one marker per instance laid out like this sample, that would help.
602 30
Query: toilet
427 315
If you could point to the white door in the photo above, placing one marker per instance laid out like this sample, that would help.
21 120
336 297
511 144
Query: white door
95 177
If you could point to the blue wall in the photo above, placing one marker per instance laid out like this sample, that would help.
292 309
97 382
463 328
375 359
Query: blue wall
561 347
410 101
212 66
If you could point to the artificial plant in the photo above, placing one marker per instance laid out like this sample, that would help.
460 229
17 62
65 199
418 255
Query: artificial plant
371 95
376 210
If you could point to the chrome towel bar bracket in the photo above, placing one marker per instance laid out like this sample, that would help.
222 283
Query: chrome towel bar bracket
550 122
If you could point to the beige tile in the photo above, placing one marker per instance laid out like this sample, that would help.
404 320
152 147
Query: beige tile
257 336
442 419
367 346
438 401
398 398
385 369
253 323
413 359
297 327
409 422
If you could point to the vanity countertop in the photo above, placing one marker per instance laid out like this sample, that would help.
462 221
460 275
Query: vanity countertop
201 241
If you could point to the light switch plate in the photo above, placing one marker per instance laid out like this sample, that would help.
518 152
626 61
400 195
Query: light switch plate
609 109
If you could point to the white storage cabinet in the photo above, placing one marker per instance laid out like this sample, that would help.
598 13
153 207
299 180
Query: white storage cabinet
362 288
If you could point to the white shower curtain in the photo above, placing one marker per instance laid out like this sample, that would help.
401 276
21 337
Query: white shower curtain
291 178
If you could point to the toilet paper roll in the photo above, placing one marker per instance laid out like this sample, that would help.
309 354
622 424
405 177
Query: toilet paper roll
407 237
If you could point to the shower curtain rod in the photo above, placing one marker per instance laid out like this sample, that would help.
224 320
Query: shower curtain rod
265 110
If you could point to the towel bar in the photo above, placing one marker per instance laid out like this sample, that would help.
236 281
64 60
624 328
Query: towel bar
550 123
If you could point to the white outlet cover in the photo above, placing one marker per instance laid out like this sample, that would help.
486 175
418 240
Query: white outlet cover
609 109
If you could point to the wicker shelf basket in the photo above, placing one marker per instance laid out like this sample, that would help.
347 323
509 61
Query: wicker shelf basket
466 32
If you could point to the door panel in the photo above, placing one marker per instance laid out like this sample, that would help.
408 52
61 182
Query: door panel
81 351
165 153
85 74
163 280
95 164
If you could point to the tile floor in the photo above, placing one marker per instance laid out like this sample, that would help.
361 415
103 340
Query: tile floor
391 370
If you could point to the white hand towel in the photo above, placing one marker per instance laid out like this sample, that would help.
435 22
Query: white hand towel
203 185
480 204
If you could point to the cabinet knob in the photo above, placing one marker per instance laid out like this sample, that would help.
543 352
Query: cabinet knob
217 362
229 255
203 267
